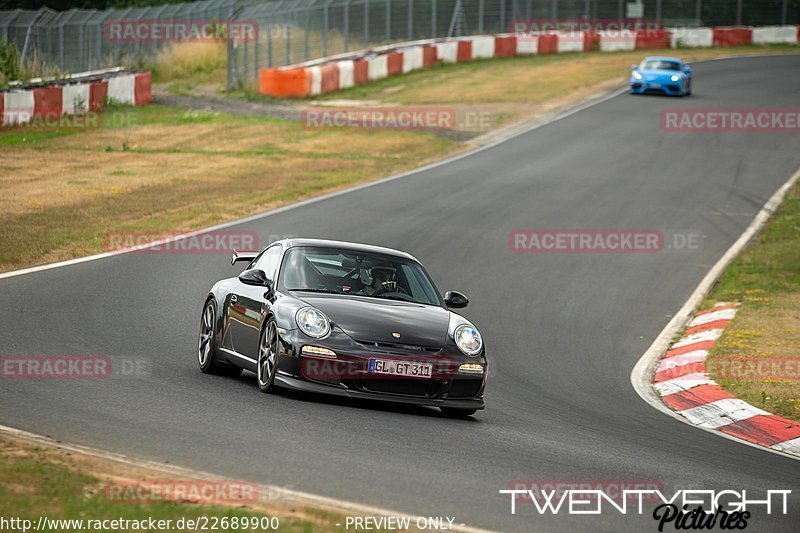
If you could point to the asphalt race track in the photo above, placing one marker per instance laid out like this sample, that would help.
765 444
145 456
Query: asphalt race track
563 330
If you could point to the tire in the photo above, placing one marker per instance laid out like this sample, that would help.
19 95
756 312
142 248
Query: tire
267 365
207 344
689 88
450 412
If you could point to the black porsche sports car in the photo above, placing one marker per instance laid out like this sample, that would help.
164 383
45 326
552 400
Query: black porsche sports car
348 319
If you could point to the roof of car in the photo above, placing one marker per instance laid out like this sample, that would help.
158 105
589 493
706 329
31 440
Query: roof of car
350 246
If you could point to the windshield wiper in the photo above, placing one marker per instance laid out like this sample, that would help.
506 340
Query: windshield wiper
328 291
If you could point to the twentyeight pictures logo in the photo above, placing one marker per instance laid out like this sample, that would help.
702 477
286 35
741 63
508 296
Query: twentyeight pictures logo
682 509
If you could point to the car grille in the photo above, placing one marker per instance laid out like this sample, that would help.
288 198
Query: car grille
406 387
465 388
395 346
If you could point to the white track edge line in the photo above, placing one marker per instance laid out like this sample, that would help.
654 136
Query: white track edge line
302 497
642 373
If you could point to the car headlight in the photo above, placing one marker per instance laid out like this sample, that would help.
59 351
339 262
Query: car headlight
468 339
637 75
312 322
675 77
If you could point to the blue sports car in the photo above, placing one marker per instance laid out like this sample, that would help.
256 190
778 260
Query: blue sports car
663 75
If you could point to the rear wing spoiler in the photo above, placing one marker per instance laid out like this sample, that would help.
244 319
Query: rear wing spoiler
244 255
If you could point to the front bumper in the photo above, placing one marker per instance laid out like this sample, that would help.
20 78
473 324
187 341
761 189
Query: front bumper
290 382
669 88
348 373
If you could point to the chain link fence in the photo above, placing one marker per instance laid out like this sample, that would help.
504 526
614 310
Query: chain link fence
292 31
83 39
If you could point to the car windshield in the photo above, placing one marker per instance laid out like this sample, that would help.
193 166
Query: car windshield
347 272
660 64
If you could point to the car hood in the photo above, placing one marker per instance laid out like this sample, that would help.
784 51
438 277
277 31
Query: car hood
658 74
374 320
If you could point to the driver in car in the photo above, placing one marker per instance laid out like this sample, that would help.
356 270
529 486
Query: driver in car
381 280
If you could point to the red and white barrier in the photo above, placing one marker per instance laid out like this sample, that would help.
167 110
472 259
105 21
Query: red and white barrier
17 107
75 98
378 67
312 78
412 58
527 44
617 40
50 102
691 37
727 37
447 52
571 41
121 89
482 47
346 74
775 34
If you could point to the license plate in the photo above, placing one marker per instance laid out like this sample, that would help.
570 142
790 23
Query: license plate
655 85
400 368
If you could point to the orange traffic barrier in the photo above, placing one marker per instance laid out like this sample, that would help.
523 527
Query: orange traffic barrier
288 83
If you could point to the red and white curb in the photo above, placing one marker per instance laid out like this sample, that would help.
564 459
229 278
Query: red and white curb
66 97
685 387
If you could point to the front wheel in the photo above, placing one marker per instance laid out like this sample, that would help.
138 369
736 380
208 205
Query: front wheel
450 412
207 345
267 365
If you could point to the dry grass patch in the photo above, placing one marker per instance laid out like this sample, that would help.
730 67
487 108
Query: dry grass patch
757 358
173 171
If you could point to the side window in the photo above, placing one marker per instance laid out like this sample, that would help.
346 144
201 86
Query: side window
268 262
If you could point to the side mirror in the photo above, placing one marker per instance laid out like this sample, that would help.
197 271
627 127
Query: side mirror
455 299
634 67
256 277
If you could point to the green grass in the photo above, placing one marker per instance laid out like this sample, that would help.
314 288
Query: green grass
766 280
